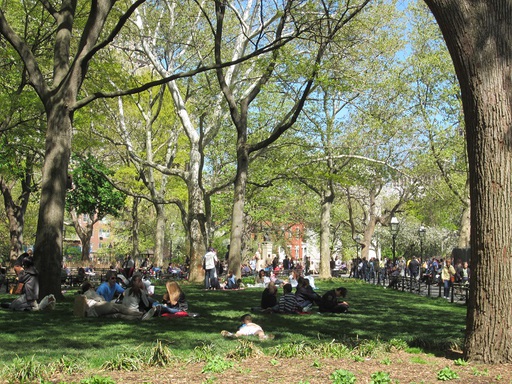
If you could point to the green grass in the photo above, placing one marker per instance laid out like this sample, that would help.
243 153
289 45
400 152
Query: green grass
377 316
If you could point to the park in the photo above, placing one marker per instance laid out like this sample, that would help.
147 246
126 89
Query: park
393 335
187 125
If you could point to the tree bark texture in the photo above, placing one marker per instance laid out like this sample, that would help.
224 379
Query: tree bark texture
325 235
196 218
48 247
237 217
479 37
16 218
159 234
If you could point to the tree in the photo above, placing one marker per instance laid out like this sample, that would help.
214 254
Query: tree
442 163
91 195
478 35
20 137
318 33
58 93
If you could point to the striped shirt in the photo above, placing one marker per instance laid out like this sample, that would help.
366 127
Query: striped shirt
288 303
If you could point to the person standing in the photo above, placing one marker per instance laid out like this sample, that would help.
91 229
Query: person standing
446 275
210 272
414 267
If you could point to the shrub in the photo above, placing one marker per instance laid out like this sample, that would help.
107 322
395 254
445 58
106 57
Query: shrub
68 365
447 374
295 349
98 380
332 349
245 349
203 352
25 370
380 378
121 362
160 355
217 364
342 376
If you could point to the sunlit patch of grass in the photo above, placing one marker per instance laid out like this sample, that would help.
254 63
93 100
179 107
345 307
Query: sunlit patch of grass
418 360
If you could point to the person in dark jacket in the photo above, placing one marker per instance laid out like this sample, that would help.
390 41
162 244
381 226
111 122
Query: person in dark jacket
306 296
330 301
269 296
29 277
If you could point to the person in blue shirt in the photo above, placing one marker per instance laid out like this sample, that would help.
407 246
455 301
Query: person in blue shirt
110 288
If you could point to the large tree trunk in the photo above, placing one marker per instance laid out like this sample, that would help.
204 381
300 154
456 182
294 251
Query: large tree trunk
196 218
325 235
237 216
479 37
84 233
48 247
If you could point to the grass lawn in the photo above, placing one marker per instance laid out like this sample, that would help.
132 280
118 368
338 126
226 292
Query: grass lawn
376 314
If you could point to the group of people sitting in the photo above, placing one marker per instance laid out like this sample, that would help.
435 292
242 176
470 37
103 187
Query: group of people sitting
303 299
110 299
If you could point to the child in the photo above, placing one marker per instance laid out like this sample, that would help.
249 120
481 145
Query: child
287 302
248 328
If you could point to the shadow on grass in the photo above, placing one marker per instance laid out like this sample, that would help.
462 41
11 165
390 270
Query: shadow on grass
375 314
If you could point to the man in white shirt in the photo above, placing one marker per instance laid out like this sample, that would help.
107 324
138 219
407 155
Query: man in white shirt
209 265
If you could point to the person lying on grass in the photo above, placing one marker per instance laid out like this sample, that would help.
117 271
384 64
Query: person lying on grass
248 328
95 305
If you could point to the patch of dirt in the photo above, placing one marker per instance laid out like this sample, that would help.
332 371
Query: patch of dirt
402 368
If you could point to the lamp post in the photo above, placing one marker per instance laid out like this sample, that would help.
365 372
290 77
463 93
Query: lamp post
422 232
394 227
357 239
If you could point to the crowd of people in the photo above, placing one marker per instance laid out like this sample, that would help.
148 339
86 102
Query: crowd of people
431 271
127 292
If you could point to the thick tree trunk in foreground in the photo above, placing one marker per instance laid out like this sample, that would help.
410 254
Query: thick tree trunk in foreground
48 247
479 37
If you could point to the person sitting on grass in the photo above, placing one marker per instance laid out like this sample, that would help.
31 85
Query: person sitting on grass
269 297
287 302
110 288
174 299
248 328
231 282
306 297
262 279
90 304
330 303
136 299
28 283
